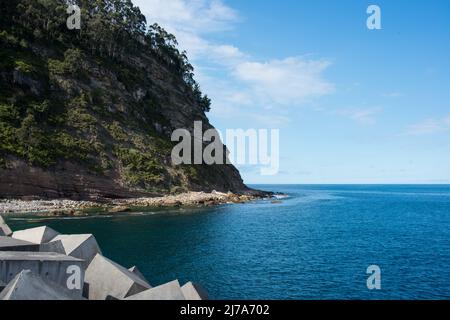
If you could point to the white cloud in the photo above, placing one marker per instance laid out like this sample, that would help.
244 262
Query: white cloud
393 94
365 116
243 81
271 120
193 16
429 126
447 121
288 81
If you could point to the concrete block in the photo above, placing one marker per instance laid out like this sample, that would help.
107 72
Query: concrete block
5 231
65 271
168 291
138 273
36 235
81 246
11 244
85 290
28 286
54 246
194 291
107 278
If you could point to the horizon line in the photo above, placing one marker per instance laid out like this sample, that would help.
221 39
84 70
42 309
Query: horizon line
355 184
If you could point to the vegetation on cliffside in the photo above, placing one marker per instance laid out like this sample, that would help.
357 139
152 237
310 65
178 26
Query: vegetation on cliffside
104 98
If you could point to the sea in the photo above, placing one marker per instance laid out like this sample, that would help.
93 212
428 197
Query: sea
316 242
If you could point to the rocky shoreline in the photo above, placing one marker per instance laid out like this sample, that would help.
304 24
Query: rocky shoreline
62 207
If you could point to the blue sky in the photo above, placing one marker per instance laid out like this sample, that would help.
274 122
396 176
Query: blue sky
352 105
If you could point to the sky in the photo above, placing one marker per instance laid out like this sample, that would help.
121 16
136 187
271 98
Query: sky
352 105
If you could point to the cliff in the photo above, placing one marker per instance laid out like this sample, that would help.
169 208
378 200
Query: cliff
88 114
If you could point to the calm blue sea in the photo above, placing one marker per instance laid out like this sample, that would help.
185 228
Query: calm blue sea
316 244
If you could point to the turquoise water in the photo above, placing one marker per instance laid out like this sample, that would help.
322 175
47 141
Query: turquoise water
317 244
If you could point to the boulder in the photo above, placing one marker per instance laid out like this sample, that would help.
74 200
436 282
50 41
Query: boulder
28 286
81 246
5 231
194 291
36 235
168 291
65 271
119 209
106 278
11 244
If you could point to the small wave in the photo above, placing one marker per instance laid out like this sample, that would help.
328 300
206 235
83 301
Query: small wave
281 196
39 219
319 197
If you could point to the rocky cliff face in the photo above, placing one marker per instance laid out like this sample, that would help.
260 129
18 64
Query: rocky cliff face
77 124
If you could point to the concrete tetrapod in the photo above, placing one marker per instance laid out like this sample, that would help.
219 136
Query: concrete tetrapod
37 235
11 244
106 278
62 270
54 246
194 291
28 286
81 246
168 291
136 271
5 231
